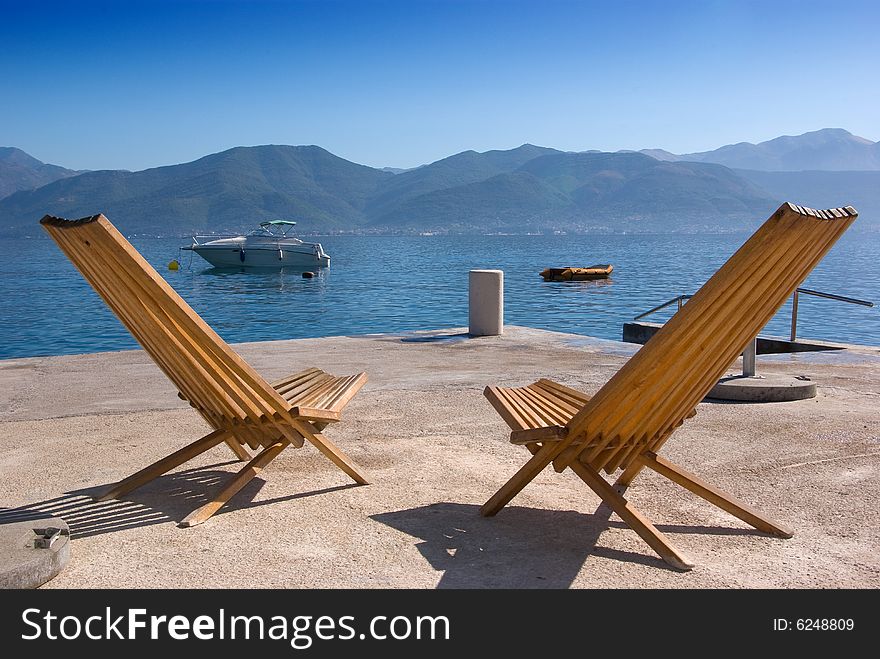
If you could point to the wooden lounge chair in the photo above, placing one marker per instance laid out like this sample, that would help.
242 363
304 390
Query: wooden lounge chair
241 407
628 420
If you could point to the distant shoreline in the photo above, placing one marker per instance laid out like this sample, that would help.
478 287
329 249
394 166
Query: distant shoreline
427 234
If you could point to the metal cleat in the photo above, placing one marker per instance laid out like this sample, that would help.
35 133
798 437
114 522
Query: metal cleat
47 536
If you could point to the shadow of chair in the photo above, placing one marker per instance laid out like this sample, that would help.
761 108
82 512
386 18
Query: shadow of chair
168 499
511 552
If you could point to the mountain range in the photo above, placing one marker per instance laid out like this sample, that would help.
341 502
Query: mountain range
20 171
526 189
830 149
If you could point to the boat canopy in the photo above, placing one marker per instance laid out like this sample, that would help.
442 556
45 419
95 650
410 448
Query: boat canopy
275 223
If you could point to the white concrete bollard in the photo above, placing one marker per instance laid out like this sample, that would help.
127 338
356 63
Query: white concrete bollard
486 302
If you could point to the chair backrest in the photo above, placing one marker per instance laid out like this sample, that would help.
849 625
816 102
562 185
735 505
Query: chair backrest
663 382
206 371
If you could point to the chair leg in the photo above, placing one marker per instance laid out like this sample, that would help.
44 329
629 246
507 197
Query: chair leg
242 478
166 464
634 519
712 495
338 458
237 448
635 467
329 449
541 457
623 481
234 443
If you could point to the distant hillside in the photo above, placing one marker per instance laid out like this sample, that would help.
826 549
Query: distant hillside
830 149
512 201
825 190
228 191
590 191
20 171
460 169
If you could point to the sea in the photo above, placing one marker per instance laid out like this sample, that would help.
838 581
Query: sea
398 284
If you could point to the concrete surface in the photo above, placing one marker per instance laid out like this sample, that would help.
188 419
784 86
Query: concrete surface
435 451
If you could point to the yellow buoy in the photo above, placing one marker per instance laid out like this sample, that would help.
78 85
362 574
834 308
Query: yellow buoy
174 265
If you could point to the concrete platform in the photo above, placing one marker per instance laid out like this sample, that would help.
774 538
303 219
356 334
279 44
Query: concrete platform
435 450
763 388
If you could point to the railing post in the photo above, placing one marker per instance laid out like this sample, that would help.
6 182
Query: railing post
679 302
794 310
749 358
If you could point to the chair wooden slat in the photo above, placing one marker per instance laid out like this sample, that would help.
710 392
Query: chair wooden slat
344 396
231 370
498 398
577 398
304 392
129 277
563 405
171 345
552 413
685 367
293 386
281 384
540 414
532 417
536 413
306 388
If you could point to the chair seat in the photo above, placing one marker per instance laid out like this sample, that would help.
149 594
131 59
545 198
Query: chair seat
318 395
538 412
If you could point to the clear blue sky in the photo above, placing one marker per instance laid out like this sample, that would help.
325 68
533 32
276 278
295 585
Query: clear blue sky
131 84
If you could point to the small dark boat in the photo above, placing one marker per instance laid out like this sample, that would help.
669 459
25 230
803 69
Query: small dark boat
599 271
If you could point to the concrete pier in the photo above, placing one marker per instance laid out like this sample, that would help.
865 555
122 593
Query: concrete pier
435 450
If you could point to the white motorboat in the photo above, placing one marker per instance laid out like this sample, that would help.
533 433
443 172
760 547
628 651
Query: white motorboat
269 246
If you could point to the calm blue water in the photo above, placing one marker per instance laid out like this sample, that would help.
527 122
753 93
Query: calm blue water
389 284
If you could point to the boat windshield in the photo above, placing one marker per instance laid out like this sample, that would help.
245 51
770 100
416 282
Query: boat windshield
274 229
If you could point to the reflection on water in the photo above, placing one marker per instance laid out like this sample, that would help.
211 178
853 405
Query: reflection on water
380 284
244 279
577 287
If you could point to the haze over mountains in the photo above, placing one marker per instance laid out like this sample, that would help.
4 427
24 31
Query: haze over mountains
527 189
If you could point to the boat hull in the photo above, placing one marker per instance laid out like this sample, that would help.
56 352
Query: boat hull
235 257
602 271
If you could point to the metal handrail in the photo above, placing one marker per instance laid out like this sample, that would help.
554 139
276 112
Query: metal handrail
830 296
679 299
794 304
